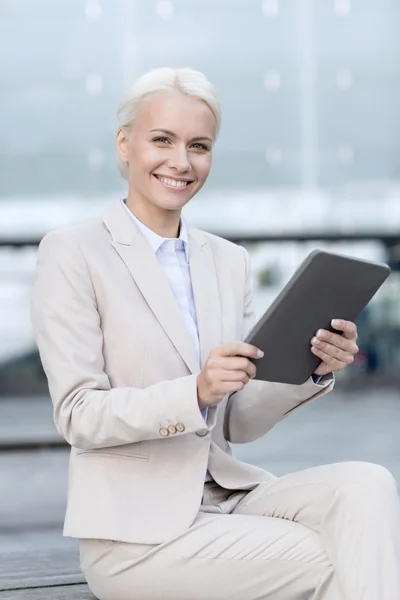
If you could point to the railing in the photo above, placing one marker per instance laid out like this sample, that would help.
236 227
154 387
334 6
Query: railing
387 238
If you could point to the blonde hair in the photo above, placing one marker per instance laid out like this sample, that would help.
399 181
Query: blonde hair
187 81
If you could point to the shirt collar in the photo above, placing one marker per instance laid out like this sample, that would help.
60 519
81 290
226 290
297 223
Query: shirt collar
156 241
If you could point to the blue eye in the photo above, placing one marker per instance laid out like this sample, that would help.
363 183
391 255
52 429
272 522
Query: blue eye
160 139
201 146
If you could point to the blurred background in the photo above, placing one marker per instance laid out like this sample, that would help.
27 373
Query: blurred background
308 157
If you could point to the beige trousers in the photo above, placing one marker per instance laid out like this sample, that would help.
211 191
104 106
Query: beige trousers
326 533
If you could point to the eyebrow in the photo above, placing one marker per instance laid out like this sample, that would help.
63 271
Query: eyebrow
172 134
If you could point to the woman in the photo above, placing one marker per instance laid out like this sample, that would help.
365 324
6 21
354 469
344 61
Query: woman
139 321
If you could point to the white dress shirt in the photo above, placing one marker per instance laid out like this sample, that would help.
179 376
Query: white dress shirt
173 256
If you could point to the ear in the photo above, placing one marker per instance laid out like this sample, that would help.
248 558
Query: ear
121 144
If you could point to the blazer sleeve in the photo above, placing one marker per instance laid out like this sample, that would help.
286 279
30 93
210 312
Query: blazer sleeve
251 412
88 412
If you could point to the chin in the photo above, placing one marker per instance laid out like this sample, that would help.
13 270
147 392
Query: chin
172 203
173 206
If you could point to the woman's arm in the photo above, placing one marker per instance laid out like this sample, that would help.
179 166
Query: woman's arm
251 412
88 413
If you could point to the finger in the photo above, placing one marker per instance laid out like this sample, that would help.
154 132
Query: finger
240 349
332 364
233 376
334 352
348 327
335 339
230 387
322 369
238 363
230 363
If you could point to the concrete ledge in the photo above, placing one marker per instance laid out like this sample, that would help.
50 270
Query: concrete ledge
65 592
43 574
48 567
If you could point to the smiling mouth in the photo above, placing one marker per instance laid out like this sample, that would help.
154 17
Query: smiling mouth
168 182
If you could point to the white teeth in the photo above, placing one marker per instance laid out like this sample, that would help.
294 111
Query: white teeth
173 182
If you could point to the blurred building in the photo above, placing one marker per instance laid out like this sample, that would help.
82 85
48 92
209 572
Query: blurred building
310 88
310 91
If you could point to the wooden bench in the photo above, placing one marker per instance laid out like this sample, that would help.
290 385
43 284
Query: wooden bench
42 575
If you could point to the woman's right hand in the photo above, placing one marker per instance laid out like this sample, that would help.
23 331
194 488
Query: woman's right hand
226 371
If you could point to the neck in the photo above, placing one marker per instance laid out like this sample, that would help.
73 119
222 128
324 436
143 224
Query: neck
163 222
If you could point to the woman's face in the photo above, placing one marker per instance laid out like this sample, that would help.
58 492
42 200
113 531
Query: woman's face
168 149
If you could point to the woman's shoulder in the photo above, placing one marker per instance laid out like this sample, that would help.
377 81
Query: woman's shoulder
82 233
73 243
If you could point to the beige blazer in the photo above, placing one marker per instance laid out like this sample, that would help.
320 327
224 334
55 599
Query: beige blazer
122 371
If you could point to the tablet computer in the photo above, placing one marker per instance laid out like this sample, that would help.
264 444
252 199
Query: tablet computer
326 286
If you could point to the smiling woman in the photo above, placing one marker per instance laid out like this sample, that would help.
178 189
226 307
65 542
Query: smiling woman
165 150
139 320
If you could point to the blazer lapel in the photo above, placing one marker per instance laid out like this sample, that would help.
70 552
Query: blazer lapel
206 293
150 279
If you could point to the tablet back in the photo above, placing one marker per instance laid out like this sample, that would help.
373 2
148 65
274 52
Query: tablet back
325 286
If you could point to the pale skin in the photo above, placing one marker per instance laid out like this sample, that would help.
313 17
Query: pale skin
171 143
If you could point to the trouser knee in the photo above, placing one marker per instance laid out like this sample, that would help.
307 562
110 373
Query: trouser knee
367 480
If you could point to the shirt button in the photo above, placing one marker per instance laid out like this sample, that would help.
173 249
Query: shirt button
172 428
180 427
202 432
164 432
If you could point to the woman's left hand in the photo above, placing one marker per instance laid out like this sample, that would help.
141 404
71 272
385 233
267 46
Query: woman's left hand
336 351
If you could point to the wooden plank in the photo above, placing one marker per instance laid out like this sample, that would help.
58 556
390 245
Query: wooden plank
67 592
39 568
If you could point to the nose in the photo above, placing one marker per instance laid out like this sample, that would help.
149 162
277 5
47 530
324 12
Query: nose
179 160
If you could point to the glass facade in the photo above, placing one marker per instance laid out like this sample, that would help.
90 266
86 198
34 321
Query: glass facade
310 89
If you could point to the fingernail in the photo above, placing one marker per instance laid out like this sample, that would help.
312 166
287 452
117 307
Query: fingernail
260 354
314 340
335 323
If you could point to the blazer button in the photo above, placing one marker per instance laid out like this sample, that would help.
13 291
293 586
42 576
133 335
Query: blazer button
172 428
202 432
164 432
180 427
